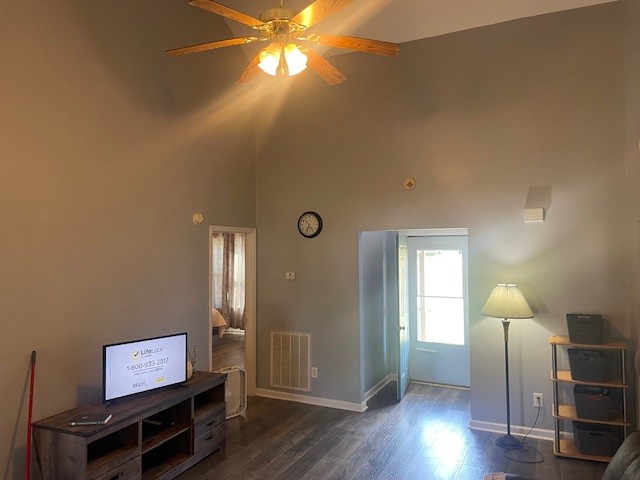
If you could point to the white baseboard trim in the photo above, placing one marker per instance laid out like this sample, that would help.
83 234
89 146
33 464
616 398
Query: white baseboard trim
233 331
393 377
321 402
538 433
377 387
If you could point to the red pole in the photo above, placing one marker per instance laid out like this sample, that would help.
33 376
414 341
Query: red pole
28 455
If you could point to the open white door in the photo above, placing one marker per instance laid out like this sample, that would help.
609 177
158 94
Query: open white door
403 315
439 309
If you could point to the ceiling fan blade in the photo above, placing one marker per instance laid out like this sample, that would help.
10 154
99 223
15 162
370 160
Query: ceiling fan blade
319 10
225 11
328 72
376 47
203 47
250 72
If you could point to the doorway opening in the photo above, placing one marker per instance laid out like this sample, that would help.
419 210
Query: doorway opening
421 325
232 287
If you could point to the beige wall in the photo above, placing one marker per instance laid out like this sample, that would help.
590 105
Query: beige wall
631 13
107 147
484 119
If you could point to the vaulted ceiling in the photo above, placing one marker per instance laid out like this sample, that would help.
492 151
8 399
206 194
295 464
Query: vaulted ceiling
406 20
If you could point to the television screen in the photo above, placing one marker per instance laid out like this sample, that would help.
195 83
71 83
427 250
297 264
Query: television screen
143 365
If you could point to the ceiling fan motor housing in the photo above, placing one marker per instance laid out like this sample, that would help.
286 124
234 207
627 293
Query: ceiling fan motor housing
280 13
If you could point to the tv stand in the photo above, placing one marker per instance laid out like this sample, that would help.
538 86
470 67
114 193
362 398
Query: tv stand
156 435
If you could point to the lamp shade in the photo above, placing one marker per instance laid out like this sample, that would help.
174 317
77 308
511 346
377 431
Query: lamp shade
217 320
507 301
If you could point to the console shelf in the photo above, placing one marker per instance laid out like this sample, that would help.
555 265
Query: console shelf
156 435
165 466
164 436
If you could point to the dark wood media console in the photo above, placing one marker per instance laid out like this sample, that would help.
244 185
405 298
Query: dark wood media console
156 435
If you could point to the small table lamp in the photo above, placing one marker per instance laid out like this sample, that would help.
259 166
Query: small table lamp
217 320
506 301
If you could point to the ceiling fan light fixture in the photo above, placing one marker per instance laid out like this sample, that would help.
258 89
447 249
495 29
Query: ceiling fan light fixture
274 57
270 60
296 60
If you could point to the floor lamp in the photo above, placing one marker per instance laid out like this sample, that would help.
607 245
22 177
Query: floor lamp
507 302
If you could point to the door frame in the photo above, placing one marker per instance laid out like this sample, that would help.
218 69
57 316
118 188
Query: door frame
250 299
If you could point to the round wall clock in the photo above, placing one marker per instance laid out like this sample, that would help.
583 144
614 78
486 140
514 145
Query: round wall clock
310 224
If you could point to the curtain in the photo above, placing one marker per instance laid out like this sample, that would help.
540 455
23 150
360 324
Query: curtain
228 275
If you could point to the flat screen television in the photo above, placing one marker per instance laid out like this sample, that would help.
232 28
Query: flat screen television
129 368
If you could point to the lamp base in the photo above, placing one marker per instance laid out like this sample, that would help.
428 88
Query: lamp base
509 442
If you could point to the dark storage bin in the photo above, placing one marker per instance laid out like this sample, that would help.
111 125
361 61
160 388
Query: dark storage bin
593 403
594 439
585 328
586 365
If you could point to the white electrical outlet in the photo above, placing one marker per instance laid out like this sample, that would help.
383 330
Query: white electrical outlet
538 400
314 372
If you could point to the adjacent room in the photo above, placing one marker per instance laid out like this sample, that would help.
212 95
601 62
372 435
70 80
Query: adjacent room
335 236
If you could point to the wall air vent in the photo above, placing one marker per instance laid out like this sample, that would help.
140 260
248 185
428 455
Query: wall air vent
291 360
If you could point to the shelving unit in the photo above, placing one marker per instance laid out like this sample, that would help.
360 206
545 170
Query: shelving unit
156 435
565 447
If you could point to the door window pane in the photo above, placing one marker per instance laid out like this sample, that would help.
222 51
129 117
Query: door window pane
440 273
441 320
440 299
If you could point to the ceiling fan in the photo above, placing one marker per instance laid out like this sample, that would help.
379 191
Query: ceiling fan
288 52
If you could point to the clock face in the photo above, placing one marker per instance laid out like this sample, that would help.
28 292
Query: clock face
310 224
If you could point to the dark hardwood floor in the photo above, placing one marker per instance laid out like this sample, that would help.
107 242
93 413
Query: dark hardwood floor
423 437
227 351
